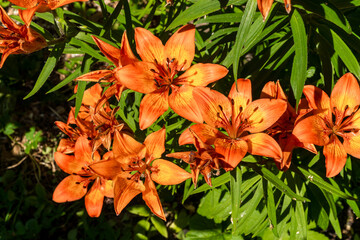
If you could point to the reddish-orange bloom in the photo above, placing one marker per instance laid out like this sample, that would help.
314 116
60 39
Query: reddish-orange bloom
281 131
16 39
135 166
203 161
242 119
120 58
76 185
99 126
159 75
333 118
265 6
33 6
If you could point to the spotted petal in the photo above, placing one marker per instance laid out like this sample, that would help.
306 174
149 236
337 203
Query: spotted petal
335 157
181 47
94 200
70 189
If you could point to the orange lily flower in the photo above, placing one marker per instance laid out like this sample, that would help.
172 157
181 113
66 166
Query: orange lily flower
16 39
76 185
203 161
33 6
159 73
120 58
281 131
242 119
320 128
99 125
265 6
132 175
84 124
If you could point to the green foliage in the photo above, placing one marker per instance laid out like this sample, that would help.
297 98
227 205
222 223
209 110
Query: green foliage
315 44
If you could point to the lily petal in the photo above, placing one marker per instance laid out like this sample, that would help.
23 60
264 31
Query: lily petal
70 189
181 47
56 3
185 156
214 106
107 188
155 143
125 146
126 54
263 113
232 150
97 76
263 145
201 74
273 90
83 150
152 199
352 144
66 146
94 200
112 53
7 21
68 163
125 190
181 100
311 130
152 106
25 3
149 47
317 98
137 76
345 96
264 7
92 95
167 173
287 5
335 157
108 169
241 94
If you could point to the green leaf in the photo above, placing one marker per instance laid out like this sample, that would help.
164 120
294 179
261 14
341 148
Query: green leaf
215 205
199 9
221 180
221 18
327 11
299 67
204 235
67 80
248 208
140 210
160 226
79 96
48 68
85 48
235 192
267 174
271 209
243 32
318 181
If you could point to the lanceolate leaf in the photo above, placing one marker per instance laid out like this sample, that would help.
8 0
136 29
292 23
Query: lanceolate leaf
48 68
327 11
271 209
199 9
243 32
266 173
299 67
318 181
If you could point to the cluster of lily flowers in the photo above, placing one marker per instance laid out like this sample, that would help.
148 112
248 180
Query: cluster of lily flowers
103 159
